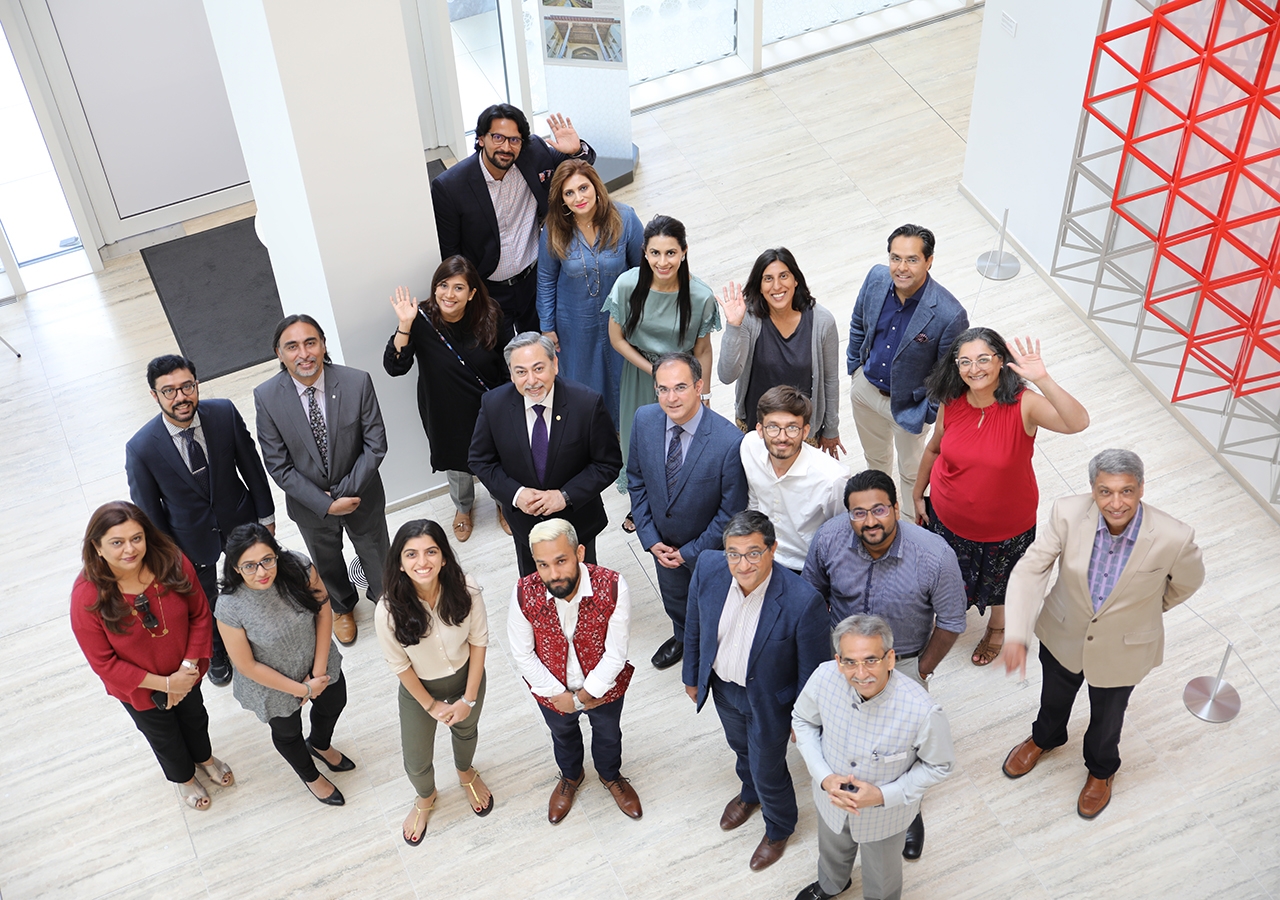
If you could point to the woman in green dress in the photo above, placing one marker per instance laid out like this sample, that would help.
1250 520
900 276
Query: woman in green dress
656 308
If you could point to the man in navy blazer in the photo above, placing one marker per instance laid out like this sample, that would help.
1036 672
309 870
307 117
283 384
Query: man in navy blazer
754 635
686 480
579 455
195 472
903 323
493 221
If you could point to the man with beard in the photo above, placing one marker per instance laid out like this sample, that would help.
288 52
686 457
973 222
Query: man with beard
195 472
494 220
322 438
793 483
568 624
867 562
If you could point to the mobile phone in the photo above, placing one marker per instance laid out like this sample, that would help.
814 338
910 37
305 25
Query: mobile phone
160 699
850 787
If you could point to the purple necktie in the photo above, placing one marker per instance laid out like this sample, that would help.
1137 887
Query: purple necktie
538 444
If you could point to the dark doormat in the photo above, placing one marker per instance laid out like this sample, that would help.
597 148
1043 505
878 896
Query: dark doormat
219 292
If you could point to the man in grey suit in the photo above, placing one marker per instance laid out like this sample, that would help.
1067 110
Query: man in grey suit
903 323
686 481
322 438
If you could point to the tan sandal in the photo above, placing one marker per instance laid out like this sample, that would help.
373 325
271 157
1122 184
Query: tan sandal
218 772
420 815
484 809
462 526
986 652
193 794
502 521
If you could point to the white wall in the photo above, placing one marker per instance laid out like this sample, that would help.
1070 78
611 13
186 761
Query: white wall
1027 100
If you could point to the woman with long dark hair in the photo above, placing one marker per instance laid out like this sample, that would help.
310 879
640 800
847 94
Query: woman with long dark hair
776 333
433 632
456 335
142 621
656 308
587 242
983 492
277 625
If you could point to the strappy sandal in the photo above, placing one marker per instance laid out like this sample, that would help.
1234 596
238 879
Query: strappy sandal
193 794
419 812
502 520
629 524
475 798
218 772
986 652
462 526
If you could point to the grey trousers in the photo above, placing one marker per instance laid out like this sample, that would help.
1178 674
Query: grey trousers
418 730
462 490
881 863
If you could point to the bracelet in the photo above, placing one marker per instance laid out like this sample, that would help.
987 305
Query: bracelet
166 685
307 685
405 333
470 703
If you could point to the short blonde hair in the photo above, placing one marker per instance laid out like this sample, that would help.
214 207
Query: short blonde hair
553 529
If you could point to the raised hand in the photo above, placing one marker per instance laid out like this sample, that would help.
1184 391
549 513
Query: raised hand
406 307
1026 359
731 302
564 137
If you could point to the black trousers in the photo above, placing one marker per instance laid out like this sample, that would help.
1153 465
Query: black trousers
367 528
208 577
524 556
1058 689
606 739
286 731
179 737
517 301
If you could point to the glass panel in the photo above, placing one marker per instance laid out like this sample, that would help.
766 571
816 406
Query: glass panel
665 36
533 49
32 206
788 18
477 49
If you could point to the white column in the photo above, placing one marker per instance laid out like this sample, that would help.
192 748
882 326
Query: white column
323 98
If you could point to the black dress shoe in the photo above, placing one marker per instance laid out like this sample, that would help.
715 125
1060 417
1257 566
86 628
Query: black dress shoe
220 671
668 654
344 764
915 839
334 799
815 891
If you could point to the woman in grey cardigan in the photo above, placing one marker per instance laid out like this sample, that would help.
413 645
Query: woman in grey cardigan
776 334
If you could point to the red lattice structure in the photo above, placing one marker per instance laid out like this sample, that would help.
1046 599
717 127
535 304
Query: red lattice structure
1193 94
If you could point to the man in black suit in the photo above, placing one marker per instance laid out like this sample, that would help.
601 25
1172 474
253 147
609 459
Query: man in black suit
322 439
493 220
545 448
195 472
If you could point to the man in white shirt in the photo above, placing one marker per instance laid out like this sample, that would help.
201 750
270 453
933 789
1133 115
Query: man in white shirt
568 625
793 483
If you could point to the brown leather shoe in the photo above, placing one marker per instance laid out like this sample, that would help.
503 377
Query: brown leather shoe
1094 797
502 520
736 812
344 628
625 796
562 798
767 853
1022 759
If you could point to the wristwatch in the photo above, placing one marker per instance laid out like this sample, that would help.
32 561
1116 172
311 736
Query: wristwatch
470 703
577 703
567 501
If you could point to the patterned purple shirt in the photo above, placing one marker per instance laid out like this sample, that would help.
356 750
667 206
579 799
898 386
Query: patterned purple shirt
1110 554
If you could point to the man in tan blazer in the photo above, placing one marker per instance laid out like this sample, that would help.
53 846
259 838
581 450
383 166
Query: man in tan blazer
1121 565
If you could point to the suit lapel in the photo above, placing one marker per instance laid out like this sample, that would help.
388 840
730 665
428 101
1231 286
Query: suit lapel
1141 547
520 422
919 319
701 438
168 451
769 612
291 405
556 425
483 200
1082 537
333 402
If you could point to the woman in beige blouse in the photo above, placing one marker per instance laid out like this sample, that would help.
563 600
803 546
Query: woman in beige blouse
433 632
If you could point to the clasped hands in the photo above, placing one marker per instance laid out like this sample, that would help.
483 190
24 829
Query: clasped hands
564 701
318 683
667 556
181 682
864 796
539 503
449 713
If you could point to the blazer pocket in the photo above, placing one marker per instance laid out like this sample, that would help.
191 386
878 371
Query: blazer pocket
1142 637
787 695
1055 609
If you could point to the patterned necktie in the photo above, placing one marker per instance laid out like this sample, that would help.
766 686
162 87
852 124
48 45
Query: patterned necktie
538 443
674 460
196 459
318 429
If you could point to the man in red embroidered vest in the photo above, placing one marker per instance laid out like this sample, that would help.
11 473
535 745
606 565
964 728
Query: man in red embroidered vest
568 627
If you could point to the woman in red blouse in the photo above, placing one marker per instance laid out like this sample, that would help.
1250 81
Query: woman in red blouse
984 495
143 623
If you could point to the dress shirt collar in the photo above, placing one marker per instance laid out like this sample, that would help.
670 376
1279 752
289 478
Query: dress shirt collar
175 430
545 401
318 384
914 298
756 596
690 427
1130 533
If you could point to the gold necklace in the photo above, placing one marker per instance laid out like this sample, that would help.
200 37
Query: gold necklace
146 602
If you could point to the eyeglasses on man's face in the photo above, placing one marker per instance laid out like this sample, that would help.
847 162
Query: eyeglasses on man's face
188 390
734 557
869 663
775 430
499 139
858 514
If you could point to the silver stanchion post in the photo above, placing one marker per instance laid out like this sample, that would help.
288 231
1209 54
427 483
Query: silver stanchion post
996 264
1212 699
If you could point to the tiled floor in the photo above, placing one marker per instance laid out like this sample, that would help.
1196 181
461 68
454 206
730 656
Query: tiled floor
826 158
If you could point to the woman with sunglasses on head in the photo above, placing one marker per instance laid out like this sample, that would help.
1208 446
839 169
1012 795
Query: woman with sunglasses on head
277 625
456 335
143 623
433 631
983 493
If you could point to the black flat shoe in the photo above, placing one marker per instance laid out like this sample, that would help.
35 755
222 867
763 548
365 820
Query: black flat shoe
668 654
915 839
220 672
345 765
334 799
815 892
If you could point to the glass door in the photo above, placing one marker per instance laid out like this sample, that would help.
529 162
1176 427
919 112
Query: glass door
478 53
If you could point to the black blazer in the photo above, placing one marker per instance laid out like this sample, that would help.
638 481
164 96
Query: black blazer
466 223
162 485
583 455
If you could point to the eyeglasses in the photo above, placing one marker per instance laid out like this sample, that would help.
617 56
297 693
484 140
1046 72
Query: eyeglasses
775 430
247 569
188 390
869 663
911 261
663 390
733 556
965 363
500 139
858 514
